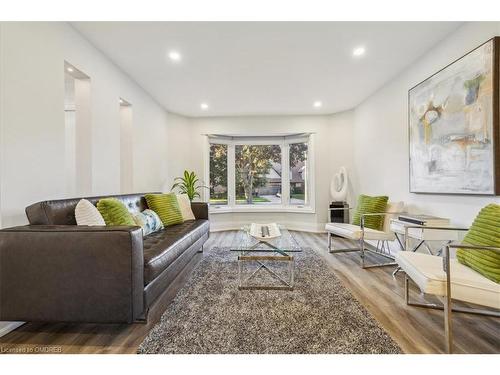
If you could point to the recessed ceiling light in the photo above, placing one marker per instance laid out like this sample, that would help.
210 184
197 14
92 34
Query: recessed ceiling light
317 104
121 101
204 106
358 51
70 69
174 56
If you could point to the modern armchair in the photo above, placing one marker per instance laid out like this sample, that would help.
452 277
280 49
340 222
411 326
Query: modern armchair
361 234
448 279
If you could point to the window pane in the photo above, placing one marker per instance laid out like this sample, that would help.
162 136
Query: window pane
218 174
298 173
258 174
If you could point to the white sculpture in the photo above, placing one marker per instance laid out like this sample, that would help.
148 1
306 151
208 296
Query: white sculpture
338 186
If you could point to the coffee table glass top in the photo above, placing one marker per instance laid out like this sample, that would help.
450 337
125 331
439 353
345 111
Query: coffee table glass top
244 242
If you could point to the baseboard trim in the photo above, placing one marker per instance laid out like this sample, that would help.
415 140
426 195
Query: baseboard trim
6 327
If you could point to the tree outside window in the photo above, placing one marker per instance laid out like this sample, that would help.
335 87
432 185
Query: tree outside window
258 174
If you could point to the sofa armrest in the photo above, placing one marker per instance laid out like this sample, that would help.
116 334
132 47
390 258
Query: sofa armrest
71 273
200 210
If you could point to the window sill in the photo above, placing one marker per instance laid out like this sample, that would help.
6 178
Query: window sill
266 209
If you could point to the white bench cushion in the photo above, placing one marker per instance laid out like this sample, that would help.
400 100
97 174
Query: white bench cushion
466 284
353 232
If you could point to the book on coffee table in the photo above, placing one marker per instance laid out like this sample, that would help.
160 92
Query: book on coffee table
264 231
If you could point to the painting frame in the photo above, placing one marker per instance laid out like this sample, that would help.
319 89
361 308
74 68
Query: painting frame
495 117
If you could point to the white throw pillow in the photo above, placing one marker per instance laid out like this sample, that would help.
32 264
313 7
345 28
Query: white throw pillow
87 214
185 206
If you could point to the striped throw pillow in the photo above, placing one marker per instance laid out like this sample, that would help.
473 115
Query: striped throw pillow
87 214
370 205
114 212
485 231
166 206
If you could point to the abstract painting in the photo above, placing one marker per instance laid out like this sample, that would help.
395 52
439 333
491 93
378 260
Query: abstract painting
453 126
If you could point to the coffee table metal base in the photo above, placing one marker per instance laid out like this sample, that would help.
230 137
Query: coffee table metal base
282 257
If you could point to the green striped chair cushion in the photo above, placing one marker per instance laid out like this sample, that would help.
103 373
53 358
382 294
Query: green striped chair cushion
370 205
485 231
166 206
114 212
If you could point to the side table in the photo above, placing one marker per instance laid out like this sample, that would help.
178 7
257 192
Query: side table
405 231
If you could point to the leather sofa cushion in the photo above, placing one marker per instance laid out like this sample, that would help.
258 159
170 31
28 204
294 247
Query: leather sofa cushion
163 247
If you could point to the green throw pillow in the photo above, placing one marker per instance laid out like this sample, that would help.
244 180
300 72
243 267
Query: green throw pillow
114 212
370 205
485 231
166 206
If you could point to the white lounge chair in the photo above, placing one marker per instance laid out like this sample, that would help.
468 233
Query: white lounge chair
448 279
361 234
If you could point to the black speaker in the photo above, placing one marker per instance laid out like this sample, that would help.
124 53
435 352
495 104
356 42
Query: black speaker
339 216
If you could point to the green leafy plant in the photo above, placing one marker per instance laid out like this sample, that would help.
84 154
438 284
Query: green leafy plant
188 184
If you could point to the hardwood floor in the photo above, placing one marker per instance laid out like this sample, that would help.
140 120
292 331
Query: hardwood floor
416 330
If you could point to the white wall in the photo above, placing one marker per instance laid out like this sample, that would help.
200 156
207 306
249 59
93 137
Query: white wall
126 150
32 136
381 136
182 149
332 146
32 122
108 84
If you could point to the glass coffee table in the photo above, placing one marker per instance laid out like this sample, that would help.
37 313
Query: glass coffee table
264 252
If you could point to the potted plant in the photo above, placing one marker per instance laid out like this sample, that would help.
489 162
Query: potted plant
188 184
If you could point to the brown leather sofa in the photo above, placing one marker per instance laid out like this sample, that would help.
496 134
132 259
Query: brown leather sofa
53 270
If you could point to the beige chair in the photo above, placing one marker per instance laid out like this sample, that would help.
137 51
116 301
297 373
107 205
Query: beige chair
448 279
361 234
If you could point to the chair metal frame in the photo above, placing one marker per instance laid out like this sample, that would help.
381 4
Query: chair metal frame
382 251
447 298
406 246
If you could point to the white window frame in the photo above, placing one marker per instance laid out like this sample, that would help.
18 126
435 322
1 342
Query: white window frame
284 142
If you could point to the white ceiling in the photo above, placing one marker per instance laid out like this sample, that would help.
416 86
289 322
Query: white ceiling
262 68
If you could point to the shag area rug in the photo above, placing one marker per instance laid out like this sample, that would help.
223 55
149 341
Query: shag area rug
210 314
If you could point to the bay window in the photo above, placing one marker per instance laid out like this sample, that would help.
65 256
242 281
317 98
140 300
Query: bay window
271 173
